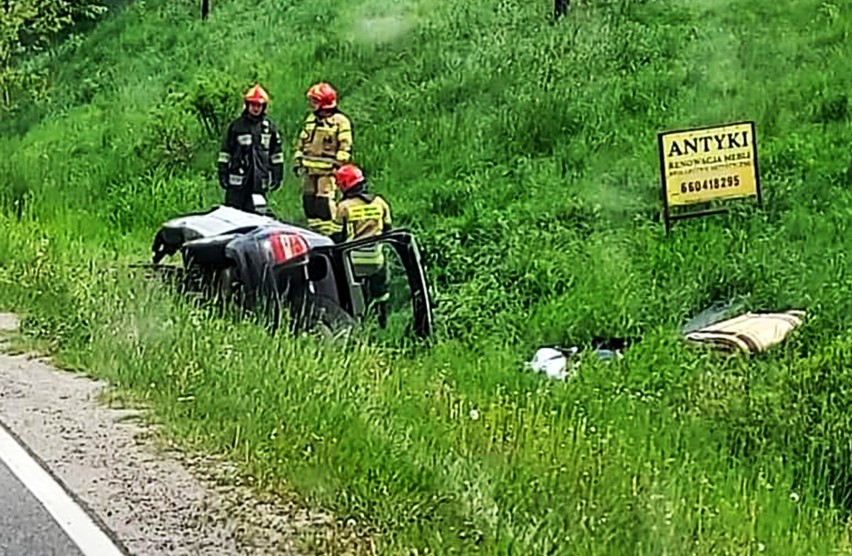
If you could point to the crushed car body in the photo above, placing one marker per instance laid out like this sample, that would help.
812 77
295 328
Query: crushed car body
280 268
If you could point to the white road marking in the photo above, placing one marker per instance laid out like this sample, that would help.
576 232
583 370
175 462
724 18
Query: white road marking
77 524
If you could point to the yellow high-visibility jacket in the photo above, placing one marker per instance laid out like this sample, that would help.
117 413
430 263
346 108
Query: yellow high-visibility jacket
359 216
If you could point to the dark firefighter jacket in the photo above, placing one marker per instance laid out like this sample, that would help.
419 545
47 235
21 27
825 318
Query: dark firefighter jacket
251 157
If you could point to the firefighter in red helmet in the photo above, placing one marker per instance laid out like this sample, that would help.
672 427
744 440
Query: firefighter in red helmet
362 214
251 160
324 144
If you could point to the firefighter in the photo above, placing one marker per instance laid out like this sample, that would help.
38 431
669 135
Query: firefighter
361 214
325 143
251 160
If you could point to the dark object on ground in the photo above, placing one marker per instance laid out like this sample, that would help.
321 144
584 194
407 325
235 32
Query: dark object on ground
562 363
280 269
560 8
613 344
205 8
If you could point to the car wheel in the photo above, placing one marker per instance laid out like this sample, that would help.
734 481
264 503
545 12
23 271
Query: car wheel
326 319
223 286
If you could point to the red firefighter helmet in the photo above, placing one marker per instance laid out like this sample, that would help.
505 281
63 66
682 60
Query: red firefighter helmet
322 96
348 176
257 94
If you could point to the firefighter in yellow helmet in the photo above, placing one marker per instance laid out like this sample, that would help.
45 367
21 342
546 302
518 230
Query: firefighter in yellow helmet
251 159
325 143
361 214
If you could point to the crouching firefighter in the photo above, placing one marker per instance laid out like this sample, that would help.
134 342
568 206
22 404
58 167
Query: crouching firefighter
361 214
324 144
251 160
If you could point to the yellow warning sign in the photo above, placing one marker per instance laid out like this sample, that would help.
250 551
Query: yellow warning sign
707 164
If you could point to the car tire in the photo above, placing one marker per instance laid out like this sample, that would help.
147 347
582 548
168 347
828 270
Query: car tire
224 291
325 318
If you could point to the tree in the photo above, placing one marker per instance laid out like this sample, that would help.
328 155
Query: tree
27 26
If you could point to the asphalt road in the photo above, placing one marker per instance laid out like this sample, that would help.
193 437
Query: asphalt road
81 479
26 528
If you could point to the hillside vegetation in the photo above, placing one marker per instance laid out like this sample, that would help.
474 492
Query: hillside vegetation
523 153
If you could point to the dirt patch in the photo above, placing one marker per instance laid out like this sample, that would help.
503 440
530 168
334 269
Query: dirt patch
156 502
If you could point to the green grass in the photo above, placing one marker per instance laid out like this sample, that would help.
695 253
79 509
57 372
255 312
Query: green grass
524 156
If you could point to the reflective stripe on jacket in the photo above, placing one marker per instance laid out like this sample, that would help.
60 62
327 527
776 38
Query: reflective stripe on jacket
361 218
361 215
251 157
324 143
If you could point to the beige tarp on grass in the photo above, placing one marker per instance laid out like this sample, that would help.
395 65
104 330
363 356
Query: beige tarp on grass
750 333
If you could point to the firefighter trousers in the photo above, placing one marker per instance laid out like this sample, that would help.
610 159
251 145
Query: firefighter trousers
377 281
318 203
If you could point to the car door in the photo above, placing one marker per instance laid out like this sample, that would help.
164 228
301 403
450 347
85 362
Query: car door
407 283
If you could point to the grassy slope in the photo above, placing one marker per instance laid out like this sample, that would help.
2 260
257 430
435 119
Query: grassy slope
524 155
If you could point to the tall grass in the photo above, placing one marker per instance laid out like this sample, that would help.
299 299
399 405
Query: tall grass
523 154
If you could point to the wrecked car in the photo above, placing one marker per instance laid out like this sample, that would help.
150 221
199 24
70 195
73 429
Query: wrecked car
288 273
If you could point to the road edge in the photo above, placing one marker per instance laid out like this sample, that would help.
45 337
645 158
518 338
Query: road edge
84 527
